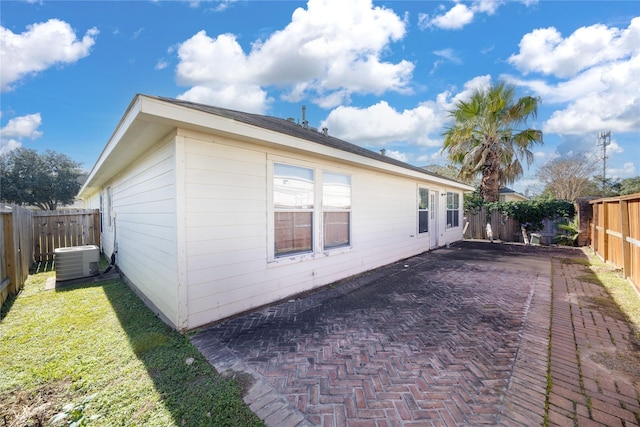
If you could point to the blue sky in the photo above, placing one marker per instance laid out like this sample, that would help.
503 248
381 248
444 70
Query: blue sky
378 74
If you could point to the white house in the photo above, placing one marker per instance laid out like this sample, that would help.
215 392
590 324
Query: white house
509 195
214 212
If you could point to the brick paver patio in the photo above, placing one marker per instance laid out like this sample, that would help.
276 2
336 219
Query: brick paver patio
457 336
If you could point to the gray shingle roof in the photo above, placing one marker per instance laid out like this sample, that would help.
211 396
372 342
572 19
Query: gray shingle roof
291 128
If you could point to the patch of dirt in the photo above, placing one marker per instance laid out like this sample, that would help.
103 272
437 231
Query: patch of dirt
605 305
243 379
622 361
33 408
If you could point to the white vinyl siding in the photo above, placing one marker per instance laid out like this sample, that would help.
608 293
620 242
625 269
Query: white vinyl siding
225 226
229 194
192 197
144 225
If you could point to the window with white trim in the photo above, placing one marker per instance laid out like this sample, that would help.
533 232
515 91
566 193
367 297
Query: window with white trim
336 210
453 210
293 203
311 210
423 210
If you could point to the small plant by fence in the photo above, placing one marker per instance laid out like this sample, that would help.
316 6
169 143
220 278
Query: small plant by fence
615 233
32 236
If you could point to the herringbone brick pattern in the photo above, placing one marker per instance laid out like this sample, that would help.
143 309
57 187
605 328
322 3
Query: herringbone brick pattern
479 334
595 359
429 346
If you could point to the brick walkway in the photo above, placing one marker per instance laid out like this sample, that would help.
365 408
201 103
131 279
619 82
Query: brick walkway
453 337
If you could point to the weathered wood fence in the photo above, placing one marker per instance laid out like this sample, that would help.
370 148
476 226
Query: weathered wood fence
32 236
615 233
62 229
503 228
16 253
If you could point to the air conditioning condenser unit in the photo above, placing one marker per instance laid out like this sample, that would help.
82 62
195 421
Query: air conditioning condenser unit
76 262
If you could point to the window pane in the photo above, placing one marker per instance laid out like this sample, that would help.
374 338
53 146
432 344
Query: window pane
453 200
424 199
336 191
453 218
433 204
336 229
292 232
292 187
423 221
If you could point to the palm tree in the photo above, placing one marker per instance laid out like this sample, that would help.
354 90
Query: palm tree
484 140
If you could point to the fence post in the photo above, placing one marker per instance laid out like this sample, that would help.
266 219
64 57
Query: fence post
10 252
605 229
626 246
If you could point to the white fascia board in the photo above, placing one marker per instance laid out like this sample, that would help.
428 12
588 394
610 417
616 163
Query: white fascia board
125 122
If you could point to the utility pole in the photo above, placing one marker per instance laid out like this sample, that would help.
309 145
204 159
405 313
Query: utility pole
604 139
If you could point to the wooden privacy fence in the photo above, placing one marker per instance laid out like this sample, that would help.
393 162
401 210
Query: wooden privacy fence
503 228
16 252
615 233
32 236
62 229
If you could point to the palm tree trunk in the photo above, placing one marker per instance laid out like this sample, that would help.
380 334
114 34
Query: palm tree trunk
490 185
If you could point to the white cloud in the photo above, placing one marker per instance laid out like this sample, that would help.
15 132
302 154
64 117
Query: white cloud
329 50
381 125
546 51
18 129
460 14
626 171
598 69
612 102
248 98
161 64
137 33
454 19
448 54
43 45
219 5
398 155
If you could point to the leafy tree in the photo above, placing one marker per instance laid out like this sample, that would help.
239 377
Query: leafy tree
450 171
630 186
485 141
607 187
42 180
567 178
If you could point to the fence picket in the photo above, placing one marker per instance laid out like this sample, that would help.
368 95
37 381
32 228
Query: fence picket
62 229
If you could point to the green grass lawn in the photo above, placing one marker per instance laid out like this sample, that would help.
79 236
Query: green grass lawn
59 347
